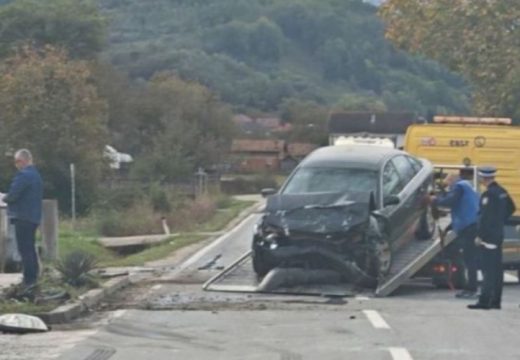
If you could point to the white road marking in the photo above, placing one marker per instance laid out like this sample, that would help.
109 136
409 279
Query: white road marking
376 320
400 354
362 298
157 287
203 252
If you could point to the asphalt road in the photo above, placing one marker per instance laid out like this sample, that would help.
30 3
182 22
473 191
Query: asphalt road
177 320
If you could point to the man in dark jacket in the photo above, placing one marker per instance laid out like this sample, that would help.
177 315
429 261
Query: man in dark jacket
496 207
463 201
24 208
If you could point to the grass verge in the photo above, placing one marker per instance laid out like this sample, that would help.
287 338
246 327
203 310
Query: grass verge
222 217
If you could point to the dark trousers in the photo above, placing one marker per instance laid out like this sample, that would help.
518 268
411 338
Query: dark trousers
25 239
493 272
466 241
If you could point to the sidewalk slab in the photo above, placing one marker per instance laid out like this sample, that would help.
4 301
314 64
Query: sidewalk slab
7 280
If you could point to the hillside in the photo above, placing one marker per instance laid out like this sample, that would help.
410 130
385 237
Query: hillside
257 53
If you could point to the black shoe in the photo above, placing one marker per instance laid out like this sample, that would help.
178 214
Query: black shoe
478 306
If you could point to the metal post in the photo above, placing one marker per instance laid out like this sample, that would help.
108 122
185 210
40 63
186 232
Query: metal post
49 229
73 194
4 235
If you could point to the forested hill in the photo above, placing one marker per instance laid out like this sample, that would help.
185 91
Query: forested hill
258 53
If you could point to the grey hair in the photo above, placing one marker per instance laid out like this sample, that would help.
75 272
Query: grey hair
24 154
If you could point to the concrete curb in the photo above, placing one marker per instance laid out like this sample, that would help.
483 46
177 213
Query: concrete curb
257 207
68 312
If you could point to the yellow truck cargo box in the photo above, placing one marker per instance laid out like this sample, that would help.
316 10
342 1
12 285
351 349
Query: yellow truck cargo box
471 144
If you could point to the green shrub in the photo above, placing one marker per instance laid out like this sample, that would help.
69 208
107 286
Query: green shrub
75 267
120 197
159 199
139 219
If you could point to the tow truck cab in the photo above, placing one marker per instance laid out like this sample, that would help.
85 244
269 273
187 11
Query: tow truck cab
467 141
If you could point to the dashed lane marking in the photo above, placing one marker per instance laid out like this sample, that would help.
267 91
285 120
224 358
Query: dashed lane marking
376 319
157 287
362 298
400 354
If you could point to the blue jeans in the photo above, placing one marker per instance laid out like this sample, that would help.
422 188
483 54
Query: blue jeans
26 239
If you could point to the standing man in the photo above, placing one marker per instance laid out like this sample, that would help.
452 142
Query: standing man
24 208
463 202
496 206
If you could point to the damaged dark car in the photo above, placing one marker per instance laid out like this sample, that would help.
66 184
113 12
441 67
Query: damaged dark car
348 209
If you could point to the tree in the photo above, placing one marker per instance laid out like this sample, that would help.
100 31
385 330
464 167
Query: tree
191 128
72 24
354 102
479 38
266 40
50 107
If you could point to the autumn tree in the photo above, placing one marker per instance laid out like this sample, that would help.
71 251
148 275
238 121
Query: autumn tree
72 24
50 106
479 39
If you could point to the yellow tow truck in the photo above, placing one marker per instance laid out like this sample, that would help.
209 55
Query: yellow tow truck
472 141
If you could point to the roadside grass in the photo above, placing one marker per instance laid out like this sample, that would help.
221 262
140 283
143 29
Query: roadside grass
224 216
153 253
50 282
24 307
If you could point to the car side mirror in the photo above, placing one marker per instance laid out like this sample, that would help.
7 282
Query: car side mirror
268 192
391 200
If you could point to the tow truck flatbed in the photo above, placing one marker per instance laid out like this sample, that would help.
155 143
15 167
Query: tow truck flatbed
240 277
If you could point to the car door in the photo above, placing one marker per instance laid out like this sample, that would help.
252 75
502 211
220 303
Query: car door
391 187
411 197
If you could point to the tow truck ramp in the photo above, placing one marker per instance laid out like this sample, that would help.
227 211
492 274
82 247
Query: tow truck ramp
240 277
410 260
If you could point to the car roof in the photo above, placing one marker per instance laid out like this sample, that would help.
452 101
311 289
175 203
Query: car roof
350 156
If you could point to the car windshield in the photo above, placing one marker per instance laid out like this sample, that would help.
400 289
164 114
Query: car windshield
337 180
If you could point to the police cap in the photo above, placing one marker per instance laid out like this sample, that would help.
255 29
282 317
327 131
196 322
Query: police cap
487 172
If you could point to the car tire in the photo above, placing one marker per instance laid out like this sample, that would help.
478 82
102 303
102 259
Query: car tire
383 257
261 263
427 225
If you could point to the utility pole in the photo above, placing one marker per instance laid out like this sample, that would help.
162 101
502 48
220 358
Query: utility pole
73 194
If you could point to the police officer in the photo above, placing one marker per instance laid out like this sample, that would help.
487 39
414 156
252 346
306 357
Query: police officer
496 206
463 202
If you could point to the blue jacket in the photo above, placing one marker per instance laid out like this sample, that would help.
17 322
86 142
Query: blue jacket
463 202
24 199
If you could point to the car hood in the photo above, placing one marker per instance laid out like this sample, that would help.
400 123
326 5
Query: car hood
318 212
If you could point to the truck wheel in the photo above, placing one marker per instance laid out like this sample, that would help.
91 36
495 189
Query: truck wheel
427 225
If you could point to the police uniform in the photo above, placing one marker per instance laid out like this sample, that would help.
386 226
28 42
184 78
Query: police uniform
496 206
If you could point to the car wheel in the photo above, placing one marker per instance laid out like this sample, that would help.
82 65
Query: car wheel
427 225
261 264
383 257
